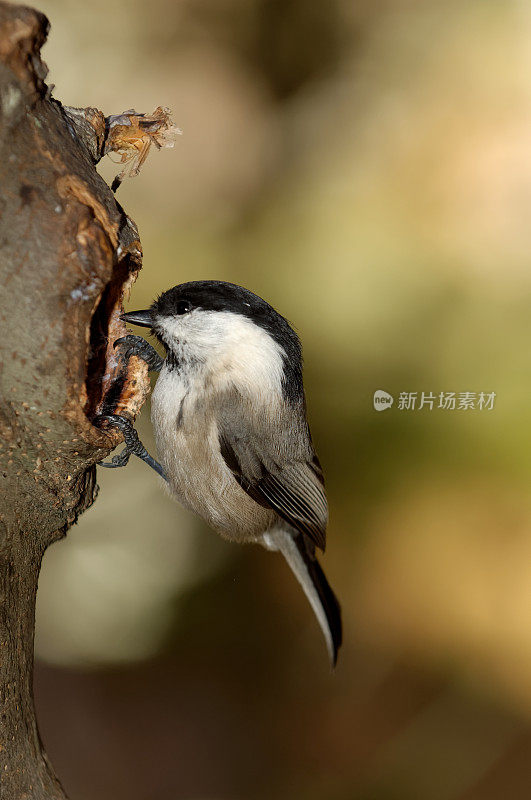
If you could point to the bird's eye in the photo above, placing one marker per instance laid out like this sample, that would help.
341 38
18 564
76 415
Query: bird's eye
183 306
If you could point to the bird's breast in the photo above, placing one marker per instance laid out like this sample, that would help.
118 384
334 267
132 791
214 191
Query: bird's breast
186 434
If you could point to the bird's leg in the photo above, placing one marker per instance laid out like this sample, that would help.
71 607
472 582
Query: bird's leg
132 345
133 445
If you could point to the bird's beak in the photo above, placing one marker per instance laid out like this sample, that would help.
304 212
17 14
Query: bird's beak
142 318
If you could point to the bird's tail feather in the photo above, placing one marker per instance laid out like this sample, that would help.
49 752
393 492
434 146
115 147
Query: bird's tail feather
311 577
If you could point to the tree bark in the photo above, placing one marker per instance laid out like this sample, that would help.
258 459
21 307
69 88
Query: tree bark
68 255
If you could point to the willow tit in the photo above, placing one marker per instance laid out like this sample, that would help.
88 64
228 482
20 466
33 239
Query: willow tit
229 417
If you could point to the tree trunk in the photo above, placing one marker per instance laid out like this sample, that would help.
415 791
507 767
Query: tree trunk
68 254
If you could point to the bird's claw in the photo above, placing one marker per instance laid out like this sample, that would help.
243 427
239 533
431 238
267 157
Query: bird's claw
132 345
119 460
133 445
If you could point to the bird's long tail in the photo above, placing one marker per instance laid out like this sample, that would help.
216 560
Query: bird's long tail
311 577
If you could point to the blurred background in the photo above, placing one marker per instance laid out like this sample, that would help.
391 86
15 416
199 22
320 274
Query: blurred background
366 168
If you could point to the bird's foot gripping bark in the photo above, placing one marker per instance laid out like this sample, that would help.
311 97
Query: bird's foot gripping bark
133 445
132 345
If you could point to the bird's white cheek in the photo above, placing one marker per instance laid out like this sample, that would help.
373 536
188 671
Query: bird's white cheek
229 350
250 358
256 372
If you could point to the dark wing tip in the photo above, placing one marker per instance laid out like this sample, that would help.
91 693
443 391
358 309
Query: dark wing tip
332 610
329 601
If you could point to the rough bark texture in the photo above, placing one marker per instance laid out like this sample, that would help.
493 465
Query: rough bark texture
68 253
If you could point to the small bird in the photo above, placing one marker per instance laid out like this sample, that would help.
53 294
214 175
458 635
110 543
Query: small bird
229 417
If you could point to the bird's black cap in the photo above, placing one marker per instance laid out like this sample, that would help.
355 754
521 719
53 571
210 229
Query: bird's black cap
222 296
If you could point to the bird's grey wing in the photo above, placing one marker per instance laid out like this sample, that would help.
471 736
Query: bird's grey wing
279 470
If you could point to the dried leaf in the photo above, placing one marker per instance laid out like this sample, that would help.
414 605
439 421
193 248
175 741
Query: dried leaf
131 135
